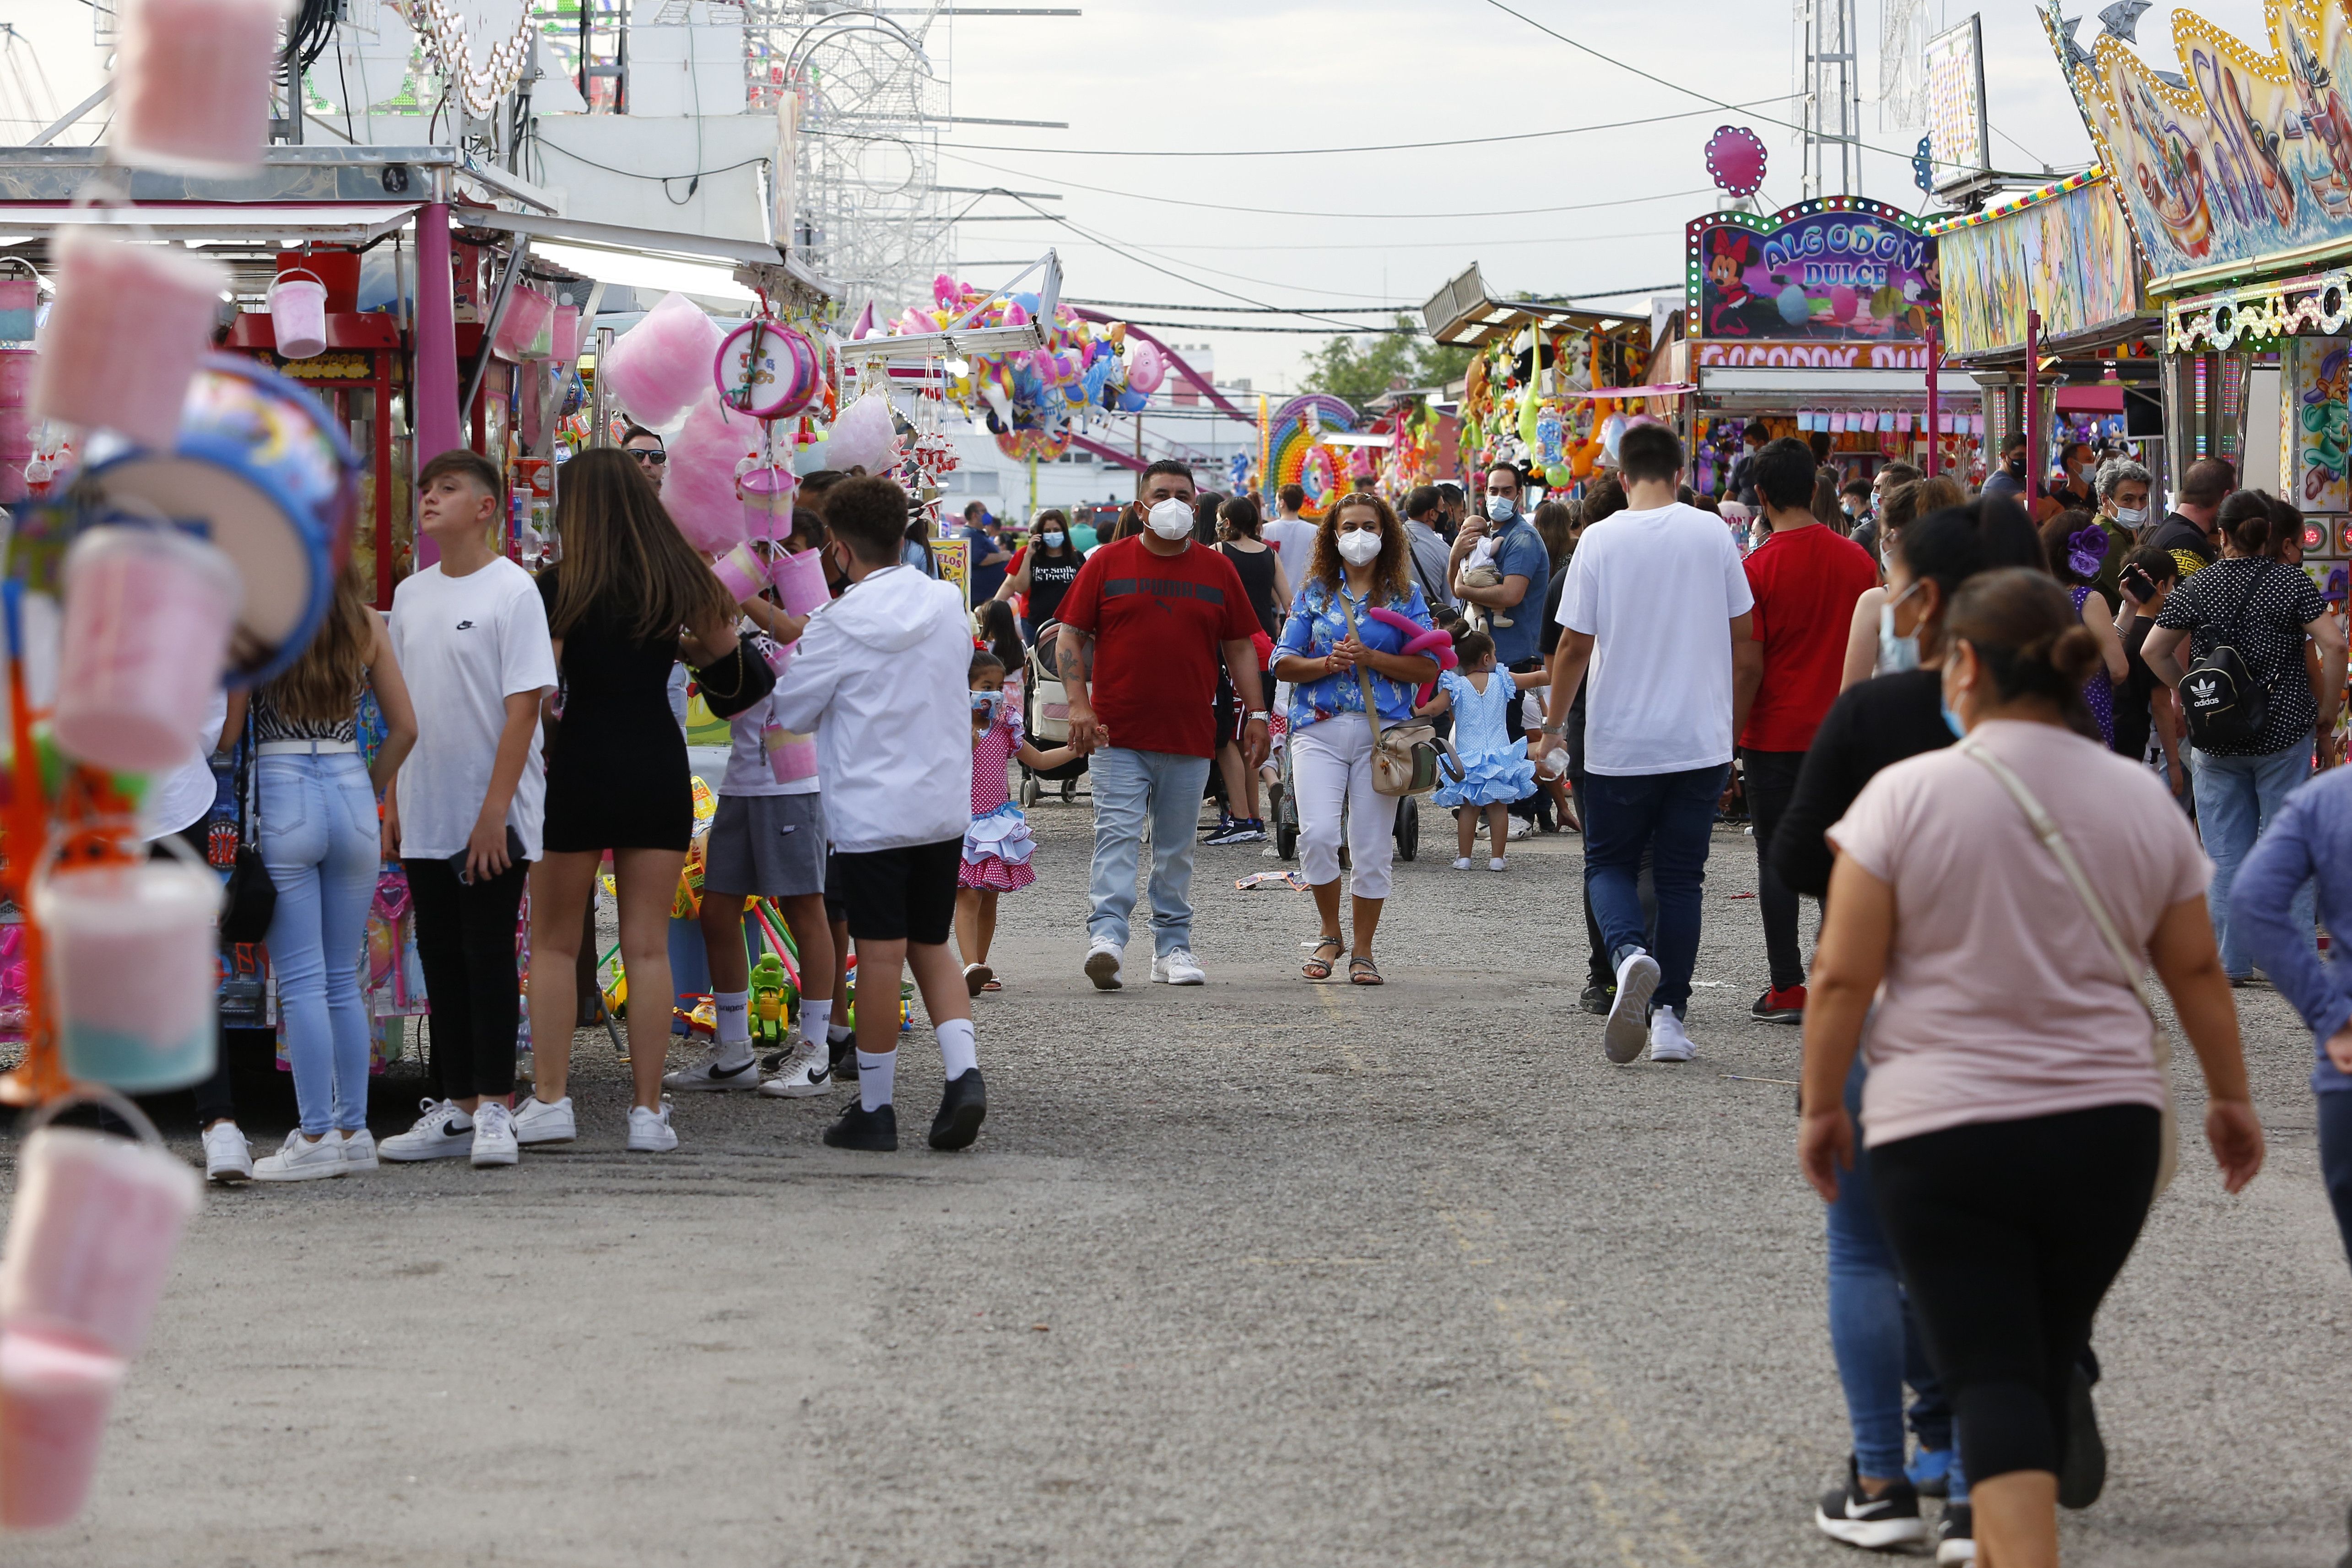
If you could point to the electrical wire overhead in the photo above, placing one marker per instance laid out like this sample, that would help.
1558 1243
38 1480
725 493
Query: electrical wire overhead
1400 215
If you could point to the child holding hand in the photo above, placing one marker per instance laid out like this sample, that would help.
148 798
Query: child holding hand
1494 768
997 846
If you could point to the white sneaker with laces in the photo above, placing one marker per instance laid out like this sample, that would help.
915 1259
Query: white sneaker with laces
537 1121
494 1136
650 1131
1622 1035
1102 964
1495 864
228 1158
300 1160
805 1074
1177 967
717 1071
1462 863
359 1150
1668 1043
443 1133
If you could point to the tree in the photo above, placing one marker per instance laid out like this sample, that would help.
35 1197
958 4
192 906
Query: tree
1359 369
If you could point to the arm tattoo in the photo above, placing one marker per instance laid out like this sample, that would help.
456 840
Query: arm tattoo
1069 659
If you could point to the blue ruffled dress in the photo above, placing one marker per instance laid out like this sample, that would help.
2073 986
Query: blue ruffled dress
1494 768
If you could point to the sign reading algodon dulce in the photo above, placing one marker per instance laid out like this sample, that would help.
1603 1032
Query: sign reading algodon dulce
1843 269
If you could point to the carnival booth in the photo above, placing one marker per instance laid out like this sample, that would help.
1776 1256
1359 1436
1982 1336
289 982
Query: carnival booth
1816 320
2044 291
1551 389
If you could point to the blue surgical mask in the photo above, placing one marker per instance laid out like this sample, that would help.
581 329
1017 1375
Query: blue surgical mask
1959 730
1895 653
1053 536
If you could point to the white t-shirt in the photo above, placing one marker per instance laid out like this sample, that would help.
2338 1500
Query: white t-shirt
185 796
748 769
1293 539
1656 591
464 645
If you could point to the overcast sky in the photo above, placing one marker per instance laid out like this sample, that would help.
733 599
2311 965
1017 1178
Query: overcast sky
1223 75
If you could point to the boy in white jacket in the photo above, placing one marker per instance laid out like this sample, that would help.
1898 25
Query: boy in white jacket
880 679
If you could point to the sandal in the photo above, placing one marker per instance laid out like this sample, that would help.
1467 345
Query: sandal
1319 967
993 985
1362 971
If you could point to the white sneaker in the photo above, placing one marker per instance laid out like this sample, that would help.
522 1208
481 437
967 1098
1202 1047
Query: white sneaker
1102 964
443 1133
1668 1043
715 1072
359 1150
301 1159
1521 828
1177 968
650 1131
1628 1027
806 1073
228 1158
494 1135
537 1121
1495 864
1462 863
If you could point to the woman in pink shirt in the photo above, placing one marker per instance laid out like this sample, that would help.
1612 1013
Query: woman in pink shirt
2013 1108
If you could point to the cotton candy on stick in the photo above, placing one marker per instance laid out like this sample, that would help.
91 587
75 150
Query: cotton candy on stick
699 486
660 368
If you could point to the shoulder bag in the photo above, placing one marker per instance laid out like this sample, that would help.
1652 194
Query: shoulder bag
1404 756
736 683
2134 966
251 898
2223 701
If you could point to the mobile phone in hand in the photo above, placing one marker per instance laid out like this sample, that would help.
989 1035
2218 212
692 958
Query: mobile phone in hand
514 857
2135 581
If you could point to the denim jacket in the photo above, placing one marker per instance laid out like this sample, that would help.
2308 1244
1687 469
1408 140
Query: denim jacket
2310 839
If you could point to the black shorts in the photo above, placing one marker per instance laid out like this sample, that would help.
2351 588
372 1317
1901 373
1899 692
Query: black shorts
900 895
836 911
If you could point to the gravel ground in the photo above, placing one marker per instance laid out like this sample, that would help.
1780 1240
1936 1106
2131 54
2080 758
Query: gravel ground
1260 1273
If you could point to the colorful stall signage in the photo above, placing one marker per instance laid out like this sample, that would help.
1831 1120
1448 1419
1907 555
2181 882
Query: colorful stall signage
2320 431
1838 269
2250 159
2068 256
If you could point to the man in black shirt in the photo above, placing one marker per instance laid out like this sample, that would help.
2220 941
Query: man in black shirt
2142 700
2186 531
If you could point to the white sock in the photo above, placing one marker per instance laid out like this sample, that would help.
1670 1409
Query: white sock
838 1034
817 1018
734 1009
876 1078
958 1053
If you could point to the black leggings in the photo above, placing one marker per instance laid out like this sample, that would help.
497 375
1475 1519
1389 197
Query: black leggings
2008 1234
465 946
1771 779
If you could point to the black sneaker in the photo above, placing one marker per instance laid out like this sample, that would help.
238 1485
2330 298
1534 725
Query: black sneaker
1956 1536
2083 1468
876 1131
1596 1000
1224 826
841 1061
1875 1523
962 1109
1234 832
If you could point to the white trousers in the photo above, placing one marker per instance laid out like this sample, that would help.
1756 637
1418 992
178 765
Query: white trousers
1331 766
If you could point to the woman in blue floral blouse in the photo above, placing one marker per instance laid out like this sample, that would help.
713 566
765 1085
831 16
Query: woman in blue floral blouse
1360 561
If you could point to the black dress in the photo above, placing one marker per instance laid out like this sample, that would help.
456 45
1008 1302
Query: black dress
1256 570
617 776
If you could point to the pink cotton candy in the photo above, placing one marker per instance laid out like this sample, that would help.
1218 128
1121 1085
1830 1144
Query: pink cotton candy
661 367
864 436
699 488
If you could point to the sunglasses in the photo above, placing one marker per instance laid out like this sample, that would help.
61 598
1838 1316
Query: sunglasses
653 455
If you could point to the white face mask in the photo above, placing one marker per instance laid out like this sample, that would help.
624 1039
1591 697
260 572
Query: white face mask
1170 520
1054 538
1498 507
1360 548
2131 516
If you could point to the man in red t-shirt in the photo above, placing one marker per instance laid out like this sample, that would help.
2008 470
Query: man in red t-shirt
1805 578
1157 612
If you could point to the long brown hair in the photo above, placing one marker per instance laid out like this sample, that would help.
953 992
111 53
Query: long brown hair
1388 567
621 551
323 686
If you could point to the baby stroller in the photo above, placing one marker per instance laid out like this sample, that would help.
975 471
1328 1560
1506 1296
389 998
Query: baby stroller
1283 819
1045 714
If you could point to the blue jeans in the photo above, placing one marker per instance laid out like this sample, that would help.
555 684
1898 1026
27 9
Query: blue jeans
318 839
1671 816
1877 1346
1130 788
2335 1158
2236 799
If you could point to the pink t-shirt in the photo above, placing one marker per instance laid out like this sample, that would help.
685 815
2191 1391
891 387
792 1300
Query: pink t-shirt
2002 1000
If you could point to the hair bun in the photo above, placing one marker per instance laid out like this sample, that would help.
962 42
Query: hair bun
2072 654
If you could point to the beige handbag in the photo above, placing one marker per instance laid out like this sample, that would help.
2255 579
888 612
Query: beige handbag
1404 756
2134 966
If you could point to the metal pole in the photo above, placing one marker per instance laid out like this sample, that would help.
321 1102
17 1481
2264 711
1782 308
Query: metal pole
2032 404
1935 368
600 410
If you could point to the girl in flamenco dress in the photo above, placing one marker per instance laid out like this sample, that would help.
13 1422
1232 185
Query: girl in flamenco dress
1494 768
997 846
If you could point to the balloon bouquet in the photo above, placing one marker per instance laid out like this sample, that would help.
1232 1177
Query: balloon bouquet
194 538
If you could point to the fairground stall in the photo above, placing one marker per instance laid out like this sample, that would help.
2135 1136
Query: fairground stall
1817 320
2044 291
2237 187
1551 388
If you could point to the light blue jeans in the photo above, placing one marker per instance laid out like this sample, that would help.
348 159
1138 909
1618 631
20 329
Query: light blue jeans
320 842
2237 797
1131 787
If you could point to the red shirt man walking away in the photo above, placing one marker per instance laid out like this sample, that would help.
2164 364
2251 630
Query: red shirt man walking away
1805 578
1157 612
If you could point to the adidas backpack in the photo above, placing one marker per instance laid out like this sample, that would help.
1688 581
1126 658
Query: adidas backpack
2223 699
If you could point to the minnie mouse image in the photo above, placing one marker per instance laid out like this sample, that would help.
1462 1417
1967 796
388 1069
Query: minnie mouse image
1732 310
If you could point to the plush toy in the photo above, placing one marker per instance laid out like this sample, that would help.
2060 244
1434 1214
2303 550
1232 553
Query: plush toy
771 1001
1412 636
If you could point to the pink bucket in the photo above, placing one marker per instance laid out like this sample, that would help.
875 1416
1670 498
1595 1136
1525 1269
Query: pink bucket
20 308
191 83
297 313
153 920
17 428
567 334
92 1235
528 313
105 367
15 377
147 620
54 1400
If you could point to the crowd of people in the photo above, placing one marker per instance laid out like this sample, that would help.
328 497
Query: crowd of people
2064 751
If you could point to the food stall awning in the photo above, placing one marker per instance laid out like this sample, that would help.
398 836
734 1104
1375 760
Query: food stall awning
708 265
1777 388
1462 312
274 225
